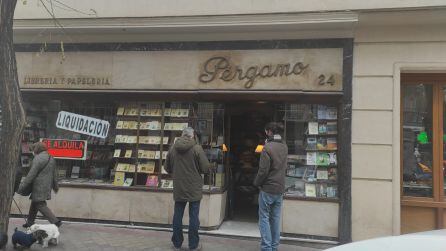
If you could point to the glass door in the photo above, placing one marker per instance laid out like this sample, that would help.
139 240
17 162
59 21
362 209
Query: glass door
422 152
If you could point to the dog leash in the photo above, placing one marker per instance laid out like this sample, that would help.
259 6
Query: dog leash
23 216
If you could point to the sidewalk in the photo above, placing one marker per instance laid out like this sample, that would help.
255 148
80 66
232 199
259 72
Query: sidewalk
78 236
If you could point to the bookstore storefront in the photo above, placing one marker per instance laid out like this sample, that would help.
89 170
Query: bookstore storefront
109 114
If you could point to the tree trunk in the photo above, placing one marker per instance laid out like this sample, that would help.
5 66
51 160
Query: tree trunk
12 113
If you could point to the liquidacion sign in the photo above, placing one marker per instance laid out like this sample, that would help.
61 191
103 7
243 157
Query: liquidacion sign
82 124
66 149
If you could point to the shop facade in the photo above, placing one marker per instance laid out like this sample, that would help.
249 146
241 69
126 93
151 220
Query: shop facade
395 181
149 92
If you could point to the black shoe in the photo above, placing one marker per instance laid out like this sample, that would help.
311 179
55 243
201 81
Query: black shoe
27 225
58 224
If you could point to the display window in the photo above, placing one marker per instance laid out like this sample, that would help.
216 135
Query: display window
311 136
417 140
139 137
140 134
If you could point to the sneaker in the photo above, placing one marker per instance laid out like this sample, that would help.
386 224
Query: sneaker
58 224
27 225
175 248
198 248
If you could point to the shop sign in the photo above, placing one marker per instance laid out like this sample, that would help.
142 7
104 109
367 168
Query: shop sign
82 124
222 68
306 69
53 81
66 149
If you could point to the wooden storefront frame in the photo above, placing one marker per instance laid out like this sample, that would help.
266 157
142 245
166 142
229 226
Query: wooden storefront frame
345 105
437 201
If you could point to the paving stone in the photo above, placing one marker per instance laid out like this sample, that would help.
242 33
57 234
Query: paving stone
83 237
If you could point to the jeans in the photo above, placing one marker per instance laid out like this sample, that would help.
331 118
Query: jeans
43 209
270 207
194 224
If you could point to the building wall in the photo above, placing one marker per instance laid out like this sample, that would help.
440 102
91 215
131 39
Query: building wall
381 52
126 206
160 8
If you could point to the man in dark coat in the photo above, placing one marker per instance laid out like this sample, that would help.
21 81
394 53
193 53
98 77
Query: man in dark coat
186 160
271 181
42 178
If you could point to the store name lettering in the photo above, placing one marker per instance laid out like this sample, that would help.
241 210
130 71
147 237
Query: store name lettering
223 69
90 81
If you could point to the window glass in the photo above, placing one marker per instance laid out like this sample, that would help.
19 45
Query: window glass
311 135
417 140
140 135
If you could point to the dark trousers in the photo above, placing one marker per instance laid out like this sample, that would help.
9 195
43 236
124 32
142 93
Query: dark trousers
194 224
40 206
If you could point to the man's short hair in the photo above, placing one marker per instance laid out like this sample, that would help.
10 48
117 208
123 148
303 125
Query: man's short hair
188 132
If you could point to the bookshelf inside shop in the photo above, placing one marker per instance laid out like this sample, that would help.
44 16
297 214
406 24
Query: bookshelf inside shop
311 135
140 136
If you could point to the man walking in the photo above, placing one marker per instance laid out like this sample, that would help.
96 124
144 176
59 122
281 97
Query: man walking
186 160
271 181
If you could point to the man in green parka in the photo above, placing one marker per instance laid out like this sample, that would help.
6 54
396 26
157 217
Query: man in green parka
186 161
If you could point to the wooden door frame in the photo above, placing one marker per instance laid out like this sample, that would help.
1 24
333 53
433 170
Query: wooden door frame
437 202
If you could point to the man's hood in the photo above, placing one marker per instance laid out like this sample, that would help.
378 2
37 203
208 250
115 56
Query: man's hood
183 144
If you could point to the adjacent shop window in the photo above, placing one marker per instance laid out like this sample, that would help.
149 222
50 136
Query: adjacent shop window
311 135
417 140
139 138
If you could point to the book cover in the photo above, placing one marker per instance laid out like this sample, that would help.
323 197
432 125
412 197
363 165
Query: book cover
25 147
120 111
117 153
332 113
323 159
331 192
333 158
119 179
122 167
313 128
322 112
133 125
133 111
167 184
25 161
311 158
148 167
128 182
332 173
152 181
184 113
128 154
322 190
310 190
119 124
322 128
132 168
311 143
75 170
322 143
322 175
143 112
167 112
163 170
332 127
332 144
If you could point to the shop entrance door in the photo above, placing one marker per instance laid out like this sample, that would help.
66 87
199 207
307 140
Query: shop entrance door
422 152
247 121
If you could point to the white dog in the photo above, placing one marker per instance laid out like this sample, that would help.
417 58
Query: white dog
51 230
